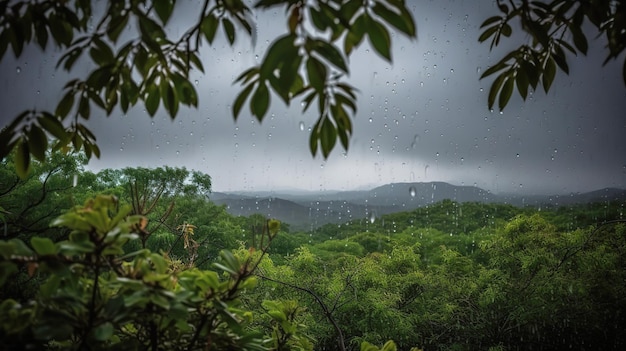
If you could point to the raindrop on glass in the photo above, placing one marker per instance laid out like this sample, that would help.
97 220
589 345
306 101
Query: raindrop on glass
412 191
301 125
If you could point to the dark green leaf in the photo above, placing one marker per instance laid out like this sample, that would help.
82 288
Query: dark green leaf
549 72
101 53
506 30
65 105
229 29
43 246
52 125
559 58
493 69
170 101
403 24
241 99
355 34
104 331
319 20
260 101
4 41
116 26
314 138
580 40
507 91
209 27
317 73
330 53
495 88
185 91
490 20
164 9
281 50
152 99
83 107
37 142
150 30
328 137
196 61
522 83
379 38
22 159
488 33
41 32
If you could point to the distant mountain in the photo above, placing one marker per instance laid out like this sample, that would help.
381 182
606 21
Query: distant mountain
307 210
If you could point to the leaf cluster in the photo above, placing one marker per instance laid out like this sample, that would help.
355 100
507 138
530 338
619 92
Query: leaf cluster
134 59
555 28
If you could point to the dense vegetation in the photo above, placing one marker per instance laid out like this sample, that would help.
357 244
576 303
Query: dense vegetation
142 259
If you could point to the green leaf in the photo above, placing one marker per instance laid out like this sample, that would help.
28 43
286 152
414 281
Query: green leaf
43 246
83 107
506 30
580 40
314 138
164 9
319 20
209 27
330 53
328 137
260 101
104 331
241 99
488 33
522 83
549 72
65 105
379 38
282 50
116 26
317 73
490 20
52 125
22 159
507 91
402 23
152 99
495 88
170 101
150 30
101 53
185 91
229 29
37 142
355 34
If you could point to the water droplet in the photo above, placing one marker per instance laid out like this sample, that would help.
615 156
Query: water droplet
196 82
75 180
412 191
18 69
372 217
301 125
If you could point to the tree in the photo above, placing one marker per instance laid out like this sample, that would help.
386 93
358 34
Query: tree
553 27
153 67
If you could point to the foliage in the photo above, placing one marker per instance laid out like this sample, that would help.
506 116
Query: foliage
153 66
553 28
97 296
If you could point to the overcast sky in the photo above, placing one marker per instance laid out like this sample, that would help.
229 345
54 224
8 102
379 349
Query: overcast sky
423 118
